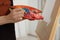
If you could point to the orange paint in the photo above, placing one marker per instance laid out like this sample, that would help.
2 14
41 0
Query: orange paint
29 7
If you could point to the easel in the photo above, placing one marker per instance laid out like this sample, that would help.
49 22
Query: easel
45 32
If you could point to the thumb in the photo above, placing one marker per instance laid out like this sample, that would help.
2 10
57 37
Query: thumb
10 9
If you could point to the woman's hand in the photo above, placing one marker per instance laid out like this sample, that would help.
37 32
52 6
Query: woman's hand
15 15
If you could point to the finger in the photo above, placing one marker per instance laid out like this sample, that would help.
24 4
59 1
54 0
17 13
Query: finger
19 15
19 19
19 10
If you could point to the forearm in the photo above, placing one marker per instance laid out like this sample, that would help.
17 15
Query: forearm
4 20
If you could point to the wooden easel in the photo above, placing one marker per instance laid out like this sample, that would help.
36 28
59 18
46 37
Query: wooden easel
45 32
53 31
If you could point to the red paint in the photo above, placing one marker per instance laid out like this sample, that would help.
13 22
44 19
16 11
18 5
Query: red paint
34 13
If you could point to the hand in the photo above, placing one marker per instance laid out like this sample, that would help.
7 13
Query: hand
16 15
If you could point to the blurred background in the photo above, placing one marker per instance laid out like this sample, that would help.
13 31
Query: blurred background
25 30
28 27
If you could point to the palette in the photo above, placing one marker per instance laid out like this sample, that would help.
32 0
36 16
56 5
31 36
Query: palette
31 13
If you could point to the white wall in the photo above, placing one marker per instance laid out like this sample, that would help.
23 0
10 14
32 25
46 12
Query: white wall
20 2
57 36
48 10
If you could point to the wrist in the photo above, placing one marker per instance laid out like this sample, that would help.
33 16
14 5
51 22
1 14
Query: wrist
4 20
8 19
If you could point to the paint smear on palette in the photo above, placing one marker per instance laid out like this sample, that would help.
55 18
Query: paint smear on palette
31 13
